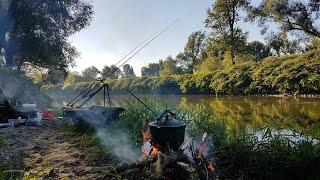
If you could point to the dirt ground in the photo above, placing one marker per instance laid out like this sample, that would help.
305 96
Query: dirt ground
45 152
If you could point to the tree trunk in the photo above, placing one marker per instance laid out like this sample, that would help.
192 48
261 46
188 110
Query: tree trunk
232 34
9 59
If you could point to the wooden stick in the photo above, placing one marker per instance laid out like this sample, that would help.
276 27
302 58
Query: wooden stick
186 167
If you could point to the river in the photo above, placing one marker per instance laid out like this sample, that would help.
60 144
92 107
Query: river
300 114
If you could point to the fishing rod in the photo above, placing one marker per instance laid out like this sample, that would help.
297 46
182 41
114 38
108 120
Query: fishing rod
88 90
134 54
89 87
145 105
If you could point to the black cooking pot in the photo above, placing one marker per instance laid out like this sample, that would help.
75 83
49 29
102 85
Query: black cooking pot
167 132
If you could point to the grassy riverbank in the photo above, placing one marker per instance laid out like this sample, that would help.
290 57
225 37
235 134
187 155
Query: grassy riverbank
290 75
241 153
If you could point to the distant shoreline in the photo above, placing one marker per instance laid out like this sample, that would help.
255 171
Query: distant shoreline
73 91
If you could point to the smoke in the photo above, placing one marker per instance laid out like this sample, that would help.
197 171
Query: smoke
16 87
119 143
116 141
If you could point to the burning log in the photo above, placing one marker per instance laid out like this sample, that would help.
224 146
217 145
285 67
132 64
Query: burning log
172 158
141 163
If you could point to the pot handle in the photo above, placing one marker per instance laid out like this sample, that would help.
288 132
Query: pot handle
166 115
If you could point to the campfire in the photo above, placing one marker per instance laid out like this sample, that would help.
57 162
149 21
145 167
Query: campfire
167 155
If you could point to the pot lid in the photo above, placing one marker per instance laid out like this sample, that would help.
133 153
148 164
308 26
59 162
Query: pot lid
167 119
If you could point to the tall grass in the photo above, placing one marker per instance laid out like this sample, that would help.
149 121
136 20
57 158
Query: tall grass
260 154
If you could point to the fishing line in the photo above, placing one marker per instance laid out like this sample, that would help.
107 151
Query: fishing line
93 84
87 90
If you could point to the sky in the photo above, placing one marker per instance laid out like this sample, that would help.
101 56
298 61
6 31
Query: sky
120 25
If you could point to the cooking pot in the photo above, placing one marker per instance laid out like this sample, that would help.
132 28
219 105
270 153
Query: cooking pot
167 132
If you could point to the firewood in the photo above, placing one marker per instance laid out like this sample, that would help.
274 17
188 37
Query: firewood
186 167
172 158
143 162
131 172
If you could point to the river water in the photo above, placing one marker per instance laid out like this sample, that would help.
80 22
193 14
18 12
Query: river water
301 114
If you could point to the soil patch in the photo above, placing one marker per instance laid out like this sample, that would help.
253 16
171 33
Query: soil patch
45 152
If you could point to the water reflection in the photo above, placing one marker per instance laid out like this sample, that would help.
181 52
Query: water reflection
255 112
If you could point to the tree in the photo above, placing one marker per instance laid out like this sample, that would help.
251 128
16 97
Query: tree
275 42
70 79
37 31
90 73
314 44
77 76
208 65
106 71
279 44
54 76
258 50
169 67
128 71
193 50
222 19
153 69
112 72
301 16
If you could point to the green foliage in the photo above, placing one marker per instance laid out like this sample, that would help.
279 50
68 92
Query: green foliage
314 44
208 65
25 91
88 143
168 67
37 78
112 72
134 116
290 15
273 156
3 167
168 86
1 141
295 74
222 18
261 154
69 79
279 44
192 53
233 80
257 50
291 74
128 71
90 73
153 69
39 31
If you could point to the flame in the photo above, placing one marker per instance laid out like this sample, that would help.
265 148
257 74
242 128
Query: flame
203 145
145 131
155 150
148 148
146 135
211 166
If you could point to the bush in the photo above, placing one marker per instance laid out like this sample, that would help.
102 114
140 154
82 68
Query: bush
16 87
293 74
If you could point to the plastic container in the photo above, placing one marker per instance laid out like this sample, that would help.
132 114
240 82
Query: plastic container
29 106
